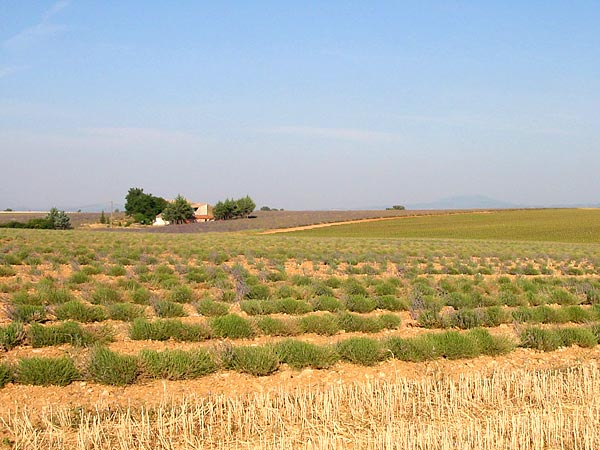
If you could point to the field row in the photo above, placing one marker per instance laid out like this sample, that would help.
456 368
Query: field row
107 367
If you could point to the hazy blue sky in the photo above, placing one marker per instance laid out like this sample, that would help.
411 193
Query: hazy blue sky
299 104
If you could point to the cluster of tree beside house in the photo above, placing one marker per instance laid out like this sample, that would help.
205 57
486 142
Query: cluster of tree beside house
148 209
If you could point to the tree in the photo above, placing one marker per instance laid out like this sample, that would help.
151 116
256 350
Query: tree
102 217
245 206
179 211
58 219
265 208
231 209
143 207
397 208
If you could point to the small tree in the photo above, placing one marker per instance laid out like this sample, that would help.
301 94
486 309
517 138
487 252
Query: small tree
179 211
102 218
231 209
397 208
143 207
245 206
58 219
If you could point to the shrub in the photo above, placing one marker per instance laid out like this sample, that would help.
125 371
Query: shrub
140 295
333 282
163 330
324 324
256 361
75 310
46 371
108 367
66 333
181 294
256 307
354 287
7 271
291 306
5 374
353 322
165 308
455 345
389 321
258 292
299 354
79 277
231 326
27 313
491 345
417 349
582 337
11 335
577 314
563 297
125 311
320 289
301 280
391 303
360 304
385 289
360 350
177 364
116 271
466 318
277 327
212 308
105 295
540 339
55 296
327 303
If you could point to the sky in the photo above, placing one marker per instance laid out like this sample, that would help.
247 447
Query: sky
301 105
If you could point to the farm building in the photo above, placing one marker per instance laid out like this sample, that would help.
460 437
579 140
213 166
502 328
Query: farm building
203 212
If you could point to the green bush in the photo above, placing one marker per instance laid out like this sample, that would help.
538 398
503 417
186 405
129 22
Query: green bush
258 292
212 308
125 311
291 306
277 327
256 307
299 354
75 310
12 335
167 309
140 296
79 277
116 271
181 294
540 339
66 333
385 288
105 295
7 271
390 321
27 313
55 296
353 322
582 337
231 326
491 345
108 367
324 324
360 304
391 303
361 350
417 349
353 287
258 361
177 364
163 330
327 303
5 374
455 345
46 371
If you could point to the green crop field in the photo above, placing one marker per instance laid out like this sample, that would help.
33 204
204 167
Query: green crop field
556 225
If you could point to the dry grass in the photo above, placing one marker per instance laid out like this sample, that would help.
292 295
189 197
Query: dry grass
547 409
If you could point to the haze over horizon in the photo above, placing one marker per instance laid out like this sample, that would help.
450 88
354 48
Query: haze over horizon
302 105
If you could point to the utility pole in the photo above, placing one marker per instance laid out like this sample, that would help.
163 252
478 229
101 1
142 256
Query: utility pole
111 214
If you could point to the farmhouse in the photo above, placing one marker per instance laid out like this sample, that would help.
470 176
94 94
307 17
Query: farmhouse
203 212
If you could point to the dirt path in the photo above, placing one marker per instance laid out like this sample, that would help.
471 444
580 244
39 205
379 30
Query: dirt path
330 224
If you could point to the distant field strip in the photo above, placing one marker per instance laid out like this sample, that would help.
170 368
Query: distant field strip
557 225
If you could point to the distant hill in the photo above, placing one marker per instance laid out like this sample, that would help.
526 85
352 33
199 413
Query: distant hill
465 202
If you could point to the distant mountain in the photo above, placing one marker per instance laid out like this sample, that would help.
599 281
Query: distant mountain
465 202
